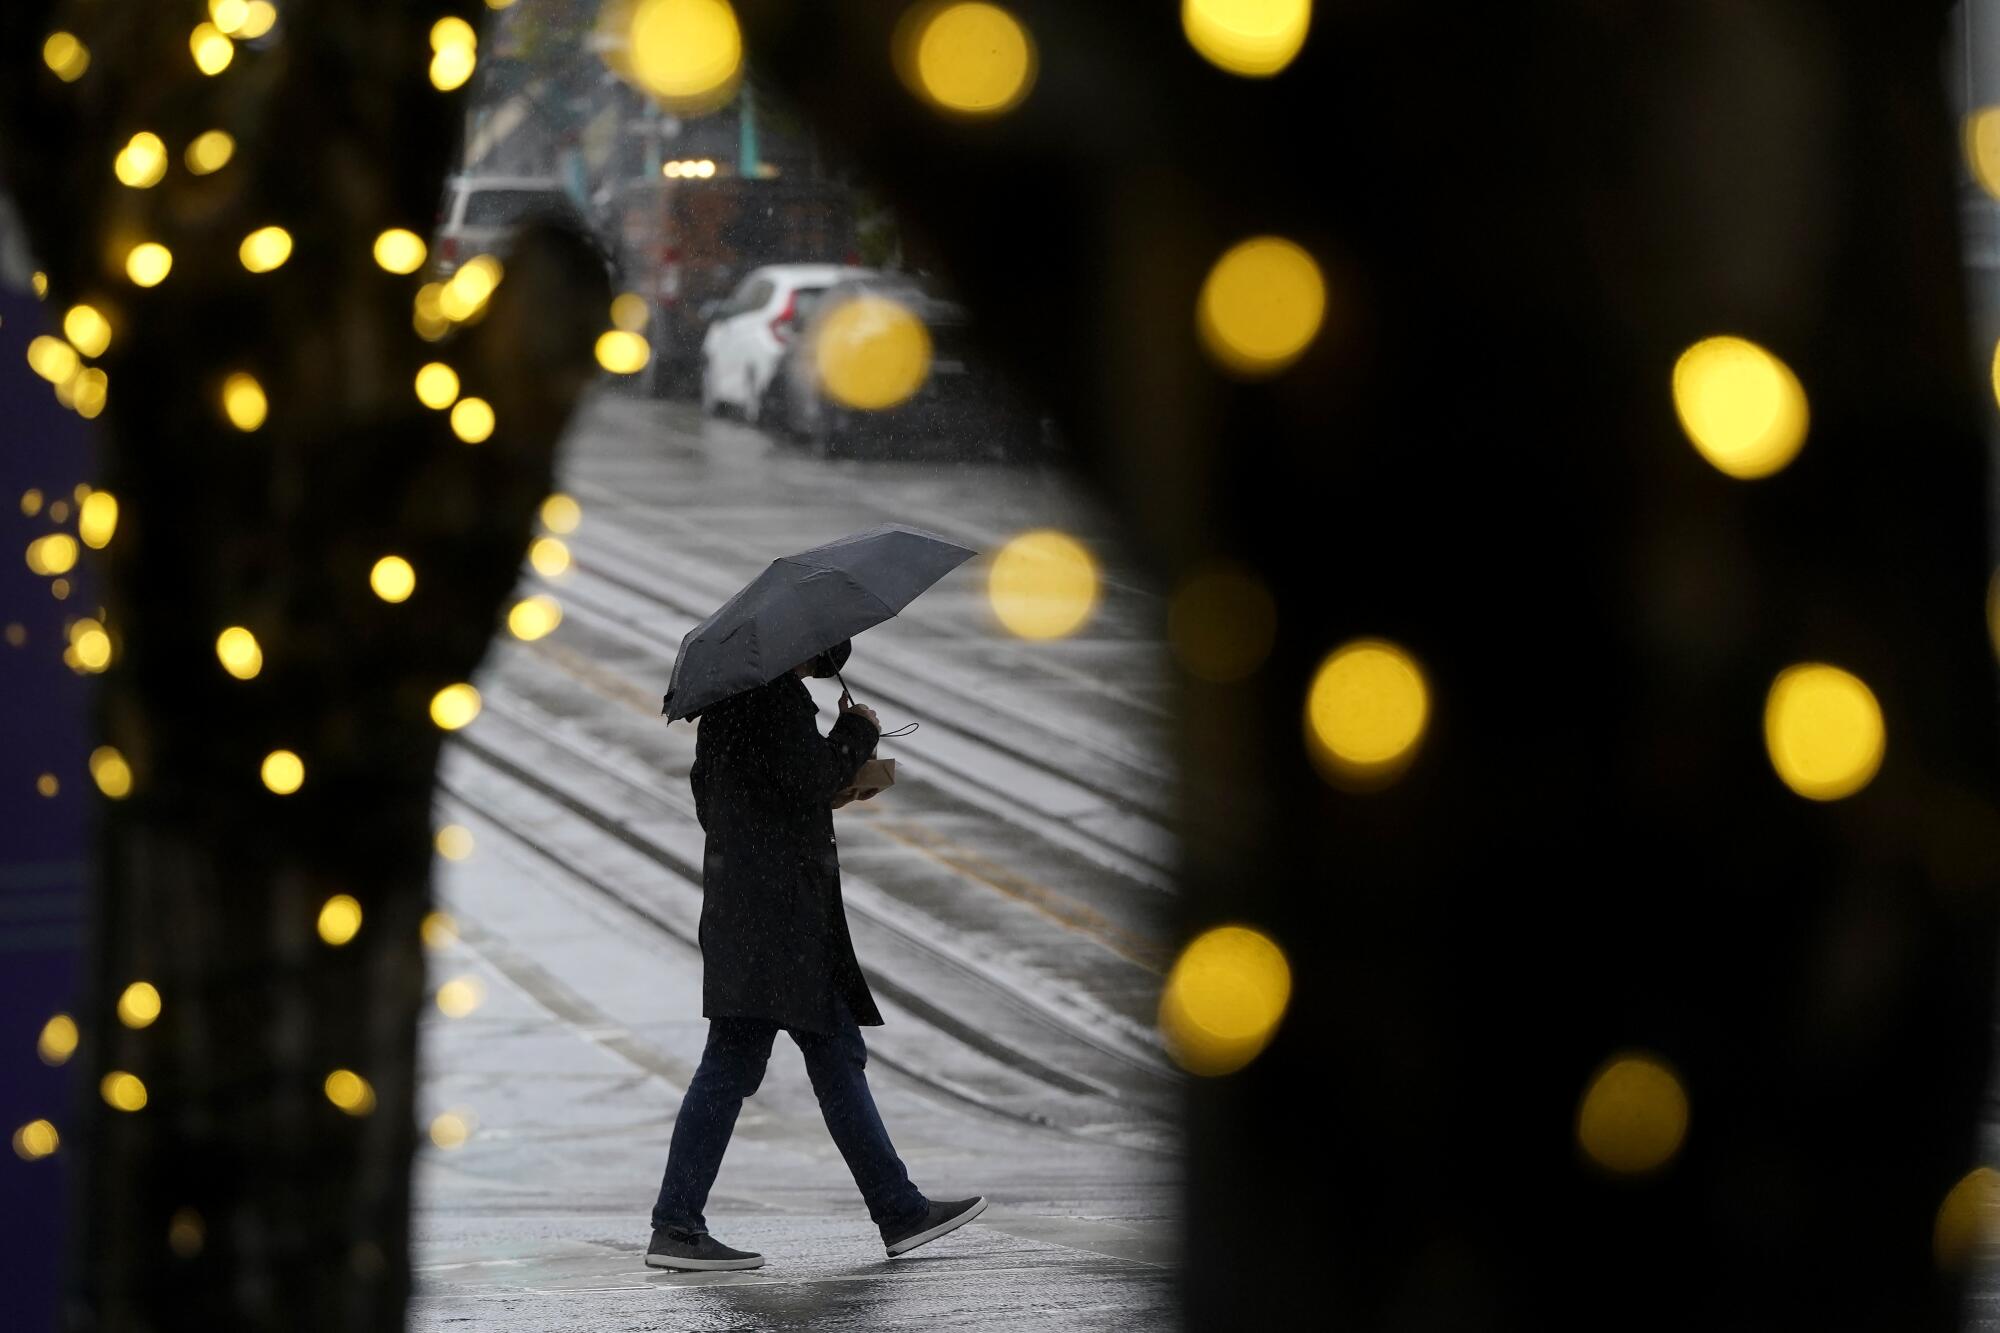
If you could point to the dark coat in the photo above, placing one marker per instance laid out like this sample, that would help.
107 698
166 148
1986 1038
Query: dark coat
774 941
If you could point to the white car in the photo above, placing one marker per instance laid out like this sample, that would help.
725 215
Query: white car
480 212
750 332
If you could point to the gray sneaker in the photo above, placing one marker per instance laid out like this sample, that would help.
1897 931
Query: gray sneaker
695 1252
938 1219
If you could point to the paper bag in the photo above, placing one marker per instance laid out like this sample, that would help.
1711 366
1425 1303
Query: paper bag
870 781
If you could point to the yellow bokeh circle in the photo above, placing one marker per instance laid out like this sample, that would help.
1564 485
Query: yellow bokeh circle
455 706
58 1040
122 1091
871 352
339 919
283 772
210 151
969 58
142 162
1261 306
1223 999
35 1140
534 617
1366 711
1742 407
1043 584
243 401
622 352
148 263
238 651
1254 38
1633 1116
110 772
139 1004
66 56
686 53
460 996
1824 731
561 513
97 519
87 329
211 48
454 842
437 386
549 556
400 250
1982 148
449 1130
630 312
1968 1221
392 578
265 249
350 1092
472 420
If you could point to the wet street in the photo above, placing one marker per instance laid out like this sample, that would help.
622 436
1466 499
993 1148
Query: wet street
1007 898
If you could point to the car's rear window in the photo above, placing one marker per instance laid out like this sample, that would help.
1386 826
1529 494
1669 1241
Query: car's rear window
493 208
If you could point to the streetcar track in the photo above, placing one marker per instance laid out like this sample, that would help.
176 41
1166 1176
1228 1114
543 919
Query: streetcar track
688 875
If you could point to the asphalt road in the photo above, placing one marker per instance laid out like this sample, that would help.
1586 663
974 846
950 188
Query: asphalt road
1008 899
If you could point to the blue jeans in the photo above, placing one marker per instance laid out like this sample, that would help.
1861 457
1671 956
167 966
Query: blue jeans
732 1067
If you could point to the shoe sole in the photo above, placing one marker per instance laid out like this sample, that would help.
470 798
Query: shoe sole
703 1265
942 1228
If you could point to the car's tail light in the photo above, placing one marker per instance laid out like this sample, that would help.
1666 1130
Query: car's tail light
781 327
448 251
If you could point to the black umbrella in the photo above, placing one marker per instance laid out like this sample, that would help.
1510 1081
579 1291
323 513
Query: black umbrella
802 605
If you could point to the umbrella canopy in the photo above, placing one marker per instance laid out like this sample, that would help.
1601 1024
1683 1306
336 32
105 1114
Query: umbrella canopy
800 606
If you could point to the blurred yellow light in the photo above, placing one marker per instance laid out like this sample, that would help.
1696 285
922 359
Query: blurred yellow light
439 931
630 312
228 14
1968 1221
17 634
451 66
450 1131
92 644
454 706
460 996
350 1092
97 519
59 589
871 352
40 282
1223 999
237 649
1221 624
1365 713
258 17
211 48
686 53
561 513
1982 148
972 59
265 249
210 151
122 1091
1824 731
454 842
36 1140
87 329
1633 1116
622 353
31 500
533 617
110 772
400 250
472 420
549 556
427 315
339 919
51 358
392 578
139 1005
47 785
1256 38
58 1040
283 772
1043 584
243 401
1261 306
437 385
65 55
142 162
88 391
186 1233
467 290
452 31
53 554
1742 407
148 263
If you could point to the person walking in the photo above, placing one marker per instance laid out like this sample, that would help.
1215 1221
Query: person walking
776 956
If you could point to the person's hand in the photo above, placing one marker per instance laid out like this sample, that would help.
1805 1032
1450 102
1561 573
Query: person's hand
847 705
